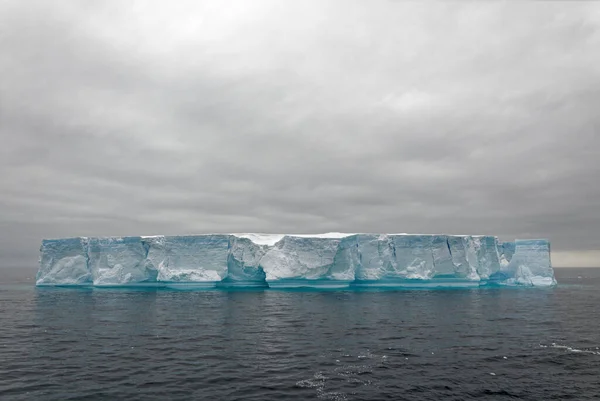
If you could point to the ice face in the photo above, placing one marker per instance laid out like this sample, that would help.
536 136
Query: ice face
328 260
118 261
443 266
64 262
243 263
482 254
194 258
295 257
417 257
506 251
530 265
414 256
375 257
459 249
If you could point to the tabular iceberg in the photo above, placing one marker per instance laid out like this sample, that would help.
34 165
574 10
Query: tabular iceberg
332 260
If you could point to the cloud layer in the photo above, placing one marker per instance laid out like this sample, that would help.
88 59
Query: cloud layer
128 118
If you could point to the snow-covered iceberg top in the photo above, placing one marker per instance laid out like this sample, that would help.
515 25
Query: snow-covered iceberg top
330 260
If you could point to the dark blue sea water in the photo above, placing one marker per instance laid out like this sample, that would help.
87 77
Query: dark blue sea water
461 344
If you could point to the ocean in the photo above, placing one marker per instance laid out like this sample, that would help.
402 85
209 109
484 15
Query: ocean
156 344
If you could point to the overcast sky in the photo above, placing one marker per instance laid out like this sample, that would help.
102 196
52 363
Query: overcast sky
179 117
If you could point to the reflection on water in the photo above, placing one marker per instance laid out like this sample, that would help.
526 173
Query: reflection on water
415 344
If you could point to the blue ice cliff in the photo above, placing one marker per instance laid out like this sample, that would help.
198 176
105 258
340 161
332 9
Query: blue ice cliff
330 260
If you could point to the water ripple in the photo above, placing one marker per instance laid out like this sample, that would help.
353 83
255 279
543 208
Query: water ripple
67 344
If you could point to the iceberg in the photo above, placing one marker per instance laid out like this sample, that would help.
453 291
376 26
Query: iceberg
243 264
188 261
118 261
325 261
528 264
64 262
424 260
306 262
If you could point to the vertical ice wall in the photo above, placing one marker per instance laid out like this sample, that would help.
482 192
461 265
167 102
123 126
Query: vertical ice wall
530 265
482 254
243 263
193 258
460 250
376 258
120 260
423 257
506 250
295 259
290 260
64 262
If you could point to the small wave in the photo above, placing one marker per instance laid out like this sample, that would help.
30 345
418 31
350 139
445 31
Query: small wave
317 381
366 355
334 395
595 351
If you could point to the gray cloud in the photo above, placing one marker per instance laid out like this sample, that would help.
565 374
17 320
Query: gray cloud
145 118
